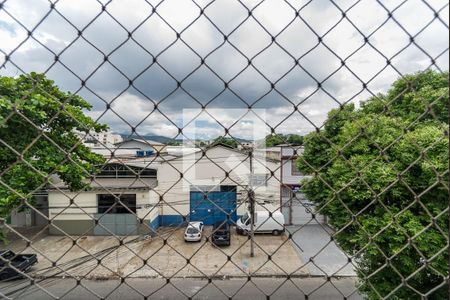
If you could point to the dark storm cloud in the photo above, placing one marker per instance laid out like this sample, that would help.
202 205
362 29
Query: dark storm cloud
133 58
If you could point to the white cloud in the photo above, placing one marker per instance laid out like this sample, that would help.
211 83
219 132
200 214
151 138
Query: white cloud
272 61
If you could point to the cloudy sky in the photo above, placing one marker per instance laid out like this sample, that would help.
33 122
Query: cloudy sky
139 38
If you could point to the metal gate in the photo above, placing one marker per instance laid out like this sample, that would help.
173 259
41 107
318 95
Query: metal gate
298 211
117 224
213 206
301 213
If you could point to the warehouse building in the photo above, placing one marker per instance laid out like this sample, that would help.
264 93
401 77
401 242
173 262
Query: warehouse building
208 186
165 191
75 213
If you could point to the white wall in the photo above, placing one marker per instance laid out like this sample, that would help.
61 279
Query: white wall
210 171
288 177
87 201
176 191
31 217
18 219
288 160
58 201
104 138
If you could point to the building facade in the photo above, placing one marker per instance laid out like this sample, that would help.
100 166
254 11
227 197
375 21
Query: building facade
106 139
210 185
296 208
121 204
140 195
144 145
26 216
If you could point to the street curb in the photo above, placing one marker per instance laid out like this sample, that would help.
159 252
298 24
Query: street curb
215 277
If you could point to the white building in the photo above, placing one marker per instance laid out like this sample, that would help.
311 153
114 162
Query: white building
143 145
169 190
110 145
180 150
246 145
225 174
75 213
96 139
123 153
270 152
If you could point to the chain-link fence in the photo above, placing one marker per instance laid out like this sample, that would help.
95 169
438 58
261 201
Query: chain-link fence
230 149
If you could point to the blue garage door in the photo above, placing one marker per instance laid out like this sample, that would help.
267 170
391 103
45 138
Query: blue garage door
213 206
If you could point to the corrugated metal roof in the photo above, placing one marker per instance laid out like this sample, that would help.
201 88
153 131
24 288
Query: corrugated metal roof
146 142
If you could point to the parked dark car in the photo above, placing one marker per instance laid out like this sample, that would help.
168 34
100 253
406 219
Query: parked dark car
221 233
21 262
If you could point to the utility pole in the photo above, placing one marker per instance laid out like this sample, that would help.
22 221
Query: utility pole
252 207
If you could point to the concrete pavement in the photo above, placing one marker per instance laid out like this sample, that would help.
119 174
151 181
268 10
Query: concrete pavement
155 257
315 242
258 288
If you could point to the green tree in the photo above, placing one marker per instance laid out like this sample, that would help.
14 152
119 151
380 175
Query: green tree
174 143
225 141
278 139
274 140
38 138
295 139
381 176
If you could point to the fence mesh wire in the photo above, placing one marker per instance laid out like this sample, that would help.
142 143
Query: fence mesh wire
141 206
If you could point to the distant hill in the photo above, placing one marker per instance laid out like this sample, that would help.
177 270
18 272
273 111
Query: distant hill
242 140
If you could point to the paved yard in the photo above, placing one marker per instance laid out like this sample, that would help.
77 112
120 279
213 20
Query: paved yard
163 259
330 260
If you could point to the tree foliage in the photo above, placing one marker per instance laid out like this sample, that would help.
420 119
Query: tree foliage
278 139
38 138
225 141
174 143
381 176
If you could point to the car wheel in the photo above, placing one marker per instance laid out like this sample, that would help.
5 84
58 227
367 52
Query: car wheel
276 232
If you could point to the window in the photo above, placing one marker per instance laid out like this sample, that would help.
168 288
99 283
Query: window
228 188
259 179
294 170
105 201
122 171
192 230
286 192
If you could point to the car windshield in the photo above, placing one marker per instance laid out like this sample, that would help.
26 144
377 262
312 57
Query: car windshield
7 254
220 232
244 218
220 228
192 230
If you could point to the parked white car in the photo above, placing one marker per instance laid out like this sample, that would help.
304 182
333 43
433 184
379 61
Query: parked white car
194 231
263 223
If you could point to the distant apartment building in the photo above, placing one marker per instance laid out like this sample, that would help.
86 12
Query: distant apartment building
96 139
